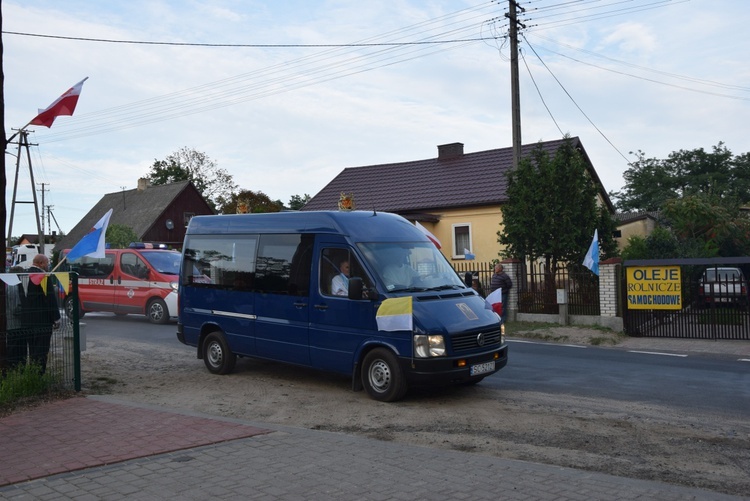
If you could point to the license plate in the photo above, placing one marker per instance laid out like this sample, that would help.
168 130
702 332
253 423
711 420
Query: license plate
482 368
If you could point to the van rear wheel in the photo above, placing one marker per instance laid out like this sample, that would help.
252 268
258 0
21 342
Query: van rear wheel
382 376
216 354
157 312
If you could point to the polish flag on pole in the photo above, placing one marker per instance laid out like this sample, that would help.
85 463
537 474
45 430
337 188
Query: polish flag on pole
429 235
63 105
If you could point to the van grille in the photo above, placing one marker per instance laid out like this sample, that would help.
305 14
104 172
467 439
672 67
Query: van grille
470 341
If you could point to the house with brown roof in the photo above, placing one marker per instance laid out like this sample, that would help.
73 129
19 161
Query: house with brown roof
457 196
632 224
157 214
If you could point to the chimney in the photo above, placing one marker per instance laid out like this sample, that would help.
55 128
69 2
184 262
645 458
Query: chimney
143 183
450 151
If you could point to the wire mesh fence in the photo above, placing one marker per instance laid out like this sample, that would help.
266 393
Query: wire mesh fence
37 329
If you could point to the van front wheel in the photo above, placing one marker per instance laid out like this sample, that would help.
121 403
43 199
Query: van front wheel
157 312
382 376
216 354
69 309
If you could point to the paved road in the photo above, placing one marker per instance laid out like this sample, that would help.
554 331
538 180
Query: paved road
723 383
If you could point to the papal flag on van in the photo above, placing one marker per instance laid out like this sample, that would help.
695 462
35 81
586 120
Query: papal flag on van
395 314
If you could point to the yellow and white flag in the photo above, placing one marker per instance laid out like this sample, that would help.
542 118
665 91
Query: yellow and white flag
395 314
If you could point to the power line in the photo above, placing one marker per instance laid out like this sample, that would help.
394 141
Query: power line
574 101
228 45
539 92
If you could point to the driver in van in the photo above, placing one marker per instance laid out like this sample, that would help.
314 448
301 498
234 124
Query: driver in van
340 283
398 271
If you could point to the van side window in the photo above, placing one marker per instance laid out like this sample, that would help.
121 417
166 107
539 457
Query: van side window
93 267
337 266
283 264
226 262
133 265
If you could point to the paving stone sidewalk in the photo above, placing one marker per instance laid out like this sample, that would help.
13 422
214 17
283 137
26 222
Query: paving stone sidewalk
117 450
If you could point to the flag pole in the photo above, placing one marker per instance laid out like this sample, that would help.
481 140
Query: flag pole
59 264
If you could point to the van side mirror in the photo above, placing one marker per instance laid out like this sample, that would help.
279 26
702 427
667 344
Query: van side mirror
355 288
468 276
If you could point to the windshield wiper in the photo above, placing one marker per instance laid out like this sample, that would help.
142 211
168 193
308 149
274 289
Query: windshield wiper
409 289
444 287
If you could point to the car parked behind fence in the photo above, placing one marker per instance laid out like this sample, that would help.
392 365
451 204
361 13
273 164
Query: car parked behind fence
723 286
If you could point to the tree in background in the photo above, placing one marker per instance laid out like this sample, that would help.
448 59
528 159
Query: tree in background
552 211
650 182
699 196
297 202
247 201
119 236
214 184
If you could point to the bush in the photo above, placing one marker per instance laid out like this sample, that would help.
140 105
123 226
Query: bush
24 381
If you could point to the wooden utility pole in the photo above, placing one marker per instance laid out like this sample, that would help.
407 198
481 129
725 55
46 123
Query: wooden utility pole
23 142
515 94
3 319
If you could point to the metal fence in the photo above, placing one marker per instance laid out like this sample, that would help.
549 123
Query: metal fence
482 270
716 310
537 289
29 335
537 292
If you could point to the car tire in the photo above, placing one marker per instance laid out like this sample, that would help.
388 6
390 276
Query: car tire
382 377
157 312
69 309
217 356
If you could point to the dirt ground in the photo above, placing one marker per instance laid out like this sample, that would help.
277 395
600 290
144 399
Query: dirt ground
620 438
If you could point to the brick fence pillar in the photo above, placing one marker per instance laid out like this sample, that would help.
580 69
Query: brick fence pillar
608 282
512 267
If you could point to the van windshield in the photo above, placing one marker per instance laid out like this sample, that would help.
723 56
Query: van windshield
410 266
167 262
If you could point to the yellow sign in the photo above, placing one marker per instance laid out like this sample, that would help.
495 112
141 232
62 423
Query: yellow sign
654 288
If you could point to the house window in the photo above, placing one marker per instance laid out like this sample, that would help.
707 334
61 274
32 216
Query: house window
461 240
187 216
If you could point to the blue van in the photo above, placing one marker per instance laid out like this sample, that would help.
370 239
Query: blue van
311 288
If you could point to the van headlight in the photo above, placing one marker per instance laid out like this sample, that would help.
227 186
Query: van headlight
429 346
502 333
173 285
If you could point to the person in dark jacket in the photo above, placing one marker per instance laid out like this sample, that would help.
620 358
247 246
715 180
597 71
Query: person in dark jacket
40 312
501 280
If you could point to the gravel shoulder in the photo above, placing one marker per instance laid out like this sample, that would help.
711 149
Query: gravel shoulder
710 451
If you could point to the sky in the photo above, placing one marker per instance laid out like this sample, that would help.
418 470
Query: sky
284 95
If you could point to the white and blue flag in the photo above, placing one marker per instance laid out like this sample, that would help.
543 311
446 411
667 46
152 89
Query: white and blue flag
94 243
591 261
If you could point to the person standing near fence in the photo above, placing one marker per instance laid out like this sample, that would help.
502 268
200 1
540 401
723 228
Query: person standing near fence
41 313
501 280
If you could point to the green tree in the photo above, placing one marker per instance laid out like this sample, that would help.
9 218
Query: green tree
650 182
247 201
119 236
297 202
635 248
214 184
700 222
552 210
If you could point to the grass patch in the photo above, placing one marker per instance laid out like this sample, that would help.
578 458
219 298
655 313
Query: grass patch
23 382
514 328
596 335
